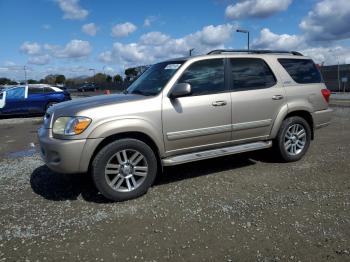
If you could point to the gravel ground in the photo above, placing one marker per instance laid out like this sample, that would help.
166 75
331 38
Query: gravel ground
240 208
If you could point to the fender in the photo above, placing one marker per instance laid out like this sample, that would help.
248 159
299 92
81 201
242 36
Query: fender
125 125
298 105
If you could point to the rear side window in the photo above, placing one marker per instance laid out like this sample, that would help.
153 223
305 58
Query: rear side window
34 91
48 90
303 71
251 73
205 77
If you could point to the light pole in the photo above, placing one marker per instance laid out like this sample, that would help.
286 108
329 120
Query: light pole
93 69
191 50
244 32
25 74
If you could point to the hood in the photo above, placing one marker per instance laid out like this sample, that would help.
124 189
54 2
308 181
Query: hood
73 106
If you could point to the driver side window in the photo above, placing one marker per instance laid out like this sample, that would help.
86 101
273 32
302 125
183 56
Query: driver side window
205 77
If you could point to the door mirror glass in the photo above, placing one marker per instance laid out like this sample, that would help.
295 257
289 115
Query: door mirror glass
180 90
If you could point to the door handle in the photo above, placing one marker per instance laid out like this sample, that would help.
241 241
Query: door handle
219 103
277 97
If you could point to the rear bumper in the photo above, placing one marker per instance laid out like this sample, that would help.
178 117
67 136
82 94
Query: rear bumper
322 118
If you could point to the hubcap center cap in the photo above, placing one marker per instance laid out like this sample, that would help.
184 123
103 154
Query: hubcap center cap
294 139
126 169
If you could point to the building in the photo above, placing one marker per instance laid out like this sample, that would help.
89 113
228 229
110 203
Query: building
337 80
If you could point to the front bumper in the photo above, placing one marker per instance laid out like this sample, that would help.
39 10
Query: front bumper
322 118
62 156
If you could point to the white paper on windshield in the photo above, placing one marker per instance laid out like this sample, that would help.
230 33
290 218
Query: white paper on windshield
172 66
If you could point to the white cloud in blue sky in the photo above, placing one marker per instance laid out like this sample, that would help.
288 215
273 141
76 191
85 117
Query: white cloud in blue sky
93 34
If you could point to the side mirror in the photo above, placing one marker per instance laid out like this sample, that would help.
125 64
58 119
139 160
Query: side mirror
180 90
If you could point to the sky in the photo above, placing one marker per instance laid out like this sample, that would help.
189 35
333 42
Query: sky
71 37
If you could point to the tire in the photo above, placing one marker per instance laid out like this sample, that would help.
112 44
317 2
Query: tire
49 104
118 179
293 139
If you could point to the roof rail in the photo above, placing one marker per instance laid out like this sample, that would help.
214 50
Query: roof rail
220 51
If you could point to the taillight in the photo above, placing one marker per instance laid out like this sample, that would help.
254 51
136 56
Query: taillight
326 94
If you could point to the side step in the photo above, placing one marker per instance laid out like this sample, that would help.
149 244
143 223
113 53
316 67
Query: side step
181 159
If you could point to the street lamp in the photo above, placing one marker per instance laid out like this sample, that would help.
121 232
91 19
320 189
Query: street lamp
25 74
244 32
191 50
93 69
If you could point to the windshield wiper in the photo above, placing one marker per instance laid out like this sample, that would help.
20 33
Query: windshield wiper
139 92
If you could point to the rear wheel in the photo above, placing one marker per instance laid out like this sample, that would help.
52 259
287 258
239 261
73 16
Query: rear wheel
124 169
293 139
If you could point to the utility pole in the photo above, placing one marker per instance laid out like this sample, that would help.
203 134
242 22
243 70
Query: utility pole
25 74
93 69
244 31
338 75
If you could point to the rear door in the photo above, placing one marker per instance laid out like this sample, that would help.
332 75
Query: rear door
204 118
256 96
35 102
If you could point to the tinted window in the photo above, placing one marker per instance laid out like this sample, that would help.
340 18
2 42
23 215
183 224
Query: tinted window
251 73
48 90
303 71
205 77
15 93
34 91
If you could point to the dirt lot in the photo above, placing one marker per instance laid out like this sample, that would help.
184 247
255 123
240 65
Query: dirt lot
239 208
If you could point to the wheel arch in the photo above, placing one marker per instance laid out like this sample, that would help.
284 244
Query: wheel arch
133 135
303 113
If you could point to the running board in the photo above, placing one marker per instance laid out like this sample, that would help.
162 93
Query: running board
181 159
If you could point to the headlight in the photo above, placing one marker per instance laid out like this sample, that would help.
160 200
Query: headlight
70 125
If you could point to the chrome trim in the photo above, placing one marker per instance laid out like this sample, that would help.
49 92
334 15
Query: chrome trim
207 154
251 125
198 132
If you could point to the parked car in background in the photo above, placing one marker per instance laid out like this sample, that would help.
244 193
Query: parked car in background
32 99
87 87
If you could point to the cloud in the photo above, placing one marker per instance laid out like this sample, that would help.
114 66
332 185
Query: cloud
156 46
39 60
89 29
147 22
123 30
256 8
46 26
270 40
320 54
154 38
328 20
72 10
73 49
30 48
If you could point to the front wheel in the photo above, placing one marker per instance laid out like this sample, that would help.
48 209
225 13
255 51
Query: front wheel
293 139
124 169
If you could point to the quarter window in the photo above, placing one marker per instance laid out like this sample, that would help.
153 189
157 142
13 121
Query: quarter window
251 73
303 71
205 77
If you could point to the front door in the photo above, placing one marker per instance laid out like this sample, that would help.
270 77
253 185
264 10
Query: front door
202 119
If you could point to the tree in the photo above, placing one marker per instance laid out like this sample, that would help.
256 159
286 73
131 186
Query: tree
32 81
117 78
50 79
60 79
130 73
108 78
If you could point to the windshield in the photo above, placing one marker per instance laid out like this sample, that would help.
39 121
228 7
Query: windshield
153 80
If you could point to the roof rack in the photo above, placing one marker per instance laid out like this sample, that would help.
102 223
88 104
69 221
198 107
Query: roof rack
220 51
